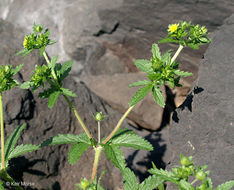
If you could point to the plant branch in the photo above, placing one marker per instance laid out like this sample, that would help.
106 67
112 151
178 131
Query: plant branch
68 101
5 176
98 151
118 124
99 131
2 133
177 53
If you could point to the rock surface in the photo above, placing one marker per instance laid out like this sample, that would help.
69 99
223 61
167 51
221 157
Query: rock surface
114 89
204 124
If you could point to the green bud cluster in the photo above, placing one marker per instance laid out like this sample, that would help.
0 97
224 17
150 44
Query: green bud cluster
187 34
87 185
6 80
99 116
41 74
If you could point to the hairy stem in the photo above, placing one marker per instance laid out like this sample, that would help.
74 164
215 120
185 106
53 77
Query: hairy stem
5 176
98 151
2 133
68 101
99 131
177 53
118 124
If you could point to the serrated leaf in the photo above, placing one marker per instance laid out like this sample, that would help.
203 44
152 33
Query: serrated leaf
26 52
115 155
12 140
53 62
76 151
26 85
156 51
53 98
131 140
63 70
164 175
129 180
66 139
17 69
21 52
144 65
158 97
123 131
46 93
168 40
183 73
171 84
140 83
193 46
67 92
225 186
150 183
185 185
21 149
166 58
140 94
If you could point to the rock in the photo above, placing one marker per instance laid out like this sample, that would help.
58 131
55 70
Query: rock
203 126
114 89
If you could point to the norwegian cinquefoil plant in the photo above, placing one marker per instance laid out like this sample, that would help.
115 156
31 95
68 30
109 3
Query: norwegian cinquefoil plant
9 149
160 69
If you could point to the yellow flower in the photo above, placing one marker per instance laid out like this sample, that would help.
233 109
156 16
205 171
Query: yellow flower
25 43
172 27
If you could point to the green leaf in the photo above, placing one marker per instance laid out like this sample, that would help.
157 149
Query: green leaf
140 83
21 52
150 183
1 185
156 51
164 175
140 94
26 85
53 62
53 98
66 139
63 70
182 73
12 140
171 84
166 58
185 185
158 97
144 65
67 92
76 151
42 49
17 69
131 140
26 52
168 40
115 155
193 46
21 149
46 93
123 131
130 180
225 186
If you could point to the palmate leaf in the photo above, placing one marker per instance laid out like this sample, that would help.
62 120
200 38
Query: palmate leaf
140 94
21 149
12 140
129 180
151 183
158 97
53 98
140 83
76 151
66 139
155 51
144 65
183 73
131 140
115 155
225 186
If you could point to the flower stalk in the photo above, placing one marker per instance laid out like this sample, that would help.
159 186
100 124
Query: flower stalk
177 53
2 133
98 151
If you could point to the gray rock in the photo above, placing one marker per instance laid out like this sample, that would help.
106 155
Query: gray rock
204 123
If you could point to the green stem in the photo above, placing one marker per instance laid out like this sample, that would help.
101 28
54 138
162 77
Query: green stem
99 132
67 99
78 117
98 151
194 181
177 53
118 124
2 133
5 176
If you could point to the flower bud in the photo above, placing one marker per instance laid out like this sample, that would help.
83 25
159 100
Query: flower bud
200 175
99 116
